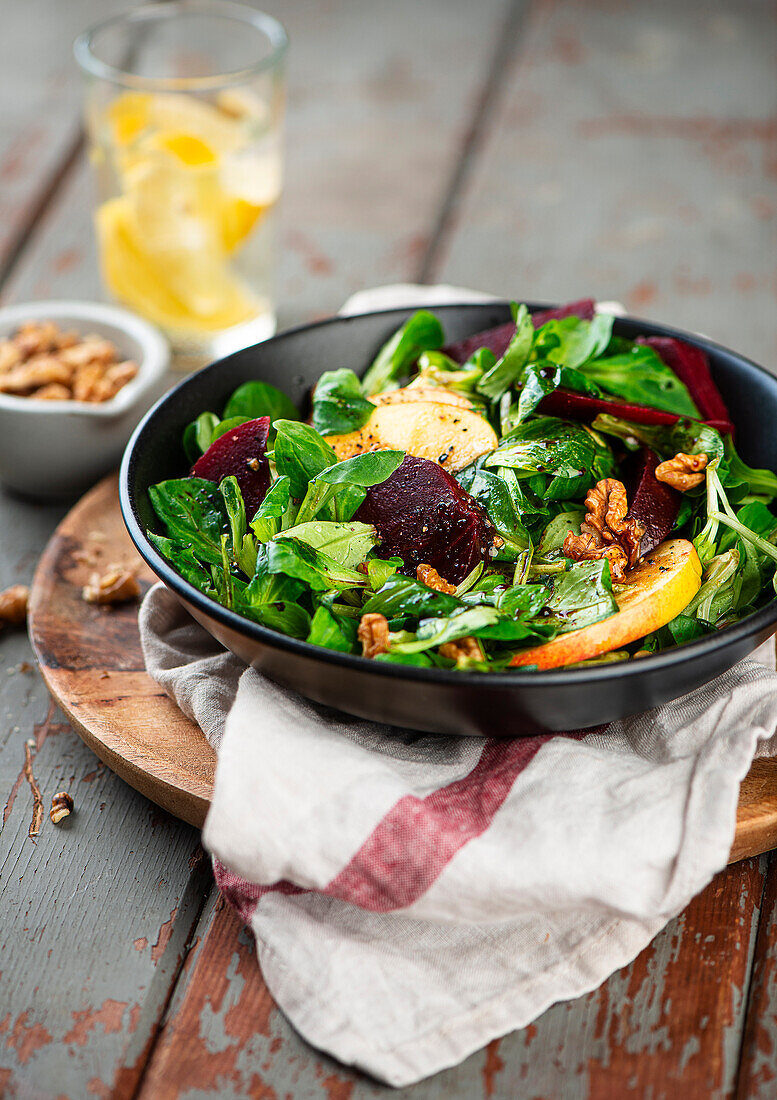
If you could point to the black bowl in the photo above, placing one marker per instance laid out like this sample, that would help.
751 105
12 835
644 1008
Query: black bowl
505 704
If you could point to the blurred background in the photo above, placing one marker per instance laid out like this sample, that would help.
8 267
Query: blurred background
538 149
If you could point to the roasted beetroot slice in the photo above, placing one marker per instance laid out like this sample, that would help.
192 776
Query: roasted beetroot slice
692 367
498 338
242 453
424 516
579 406
653 504
584 308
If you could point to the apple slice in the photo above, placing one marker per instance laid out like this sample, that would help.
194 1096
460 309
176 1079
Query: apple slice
451 436
656 590
413 394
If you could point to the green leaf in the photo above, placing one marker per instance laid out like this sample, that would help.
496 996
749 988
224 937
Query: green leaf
365 470
332 632
539 379
414 660
300 454
435 632
348 543
760 482
508 369
275 507
557 530
317 569
569 457
286 618
243 544
379 571
421 332
225 426
402 597
255 399
640 376
580 596
571 341
338 404
198 435
492 493
185 562
687 436
193 513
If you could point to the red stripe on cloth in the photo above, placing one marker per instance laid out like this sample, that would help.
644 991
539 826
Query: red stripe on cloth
417 838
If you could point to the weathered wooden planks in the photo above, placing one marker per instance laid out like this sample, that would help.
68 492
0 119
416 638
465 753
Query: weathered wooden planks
632 156
125 894
668 1025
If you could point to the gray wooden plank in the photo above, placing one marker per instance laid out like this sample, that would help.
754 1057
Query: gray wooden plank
80 1007
667 1025
94 913
374 131
40 92
632 156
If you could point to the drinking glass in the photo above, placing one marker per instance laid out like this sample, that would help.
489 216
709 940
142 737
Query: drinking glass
184 113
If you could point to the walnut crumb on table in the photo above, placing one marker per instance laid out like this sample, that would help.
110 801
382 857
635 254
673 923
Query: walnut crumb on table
13 604
61 807
117 585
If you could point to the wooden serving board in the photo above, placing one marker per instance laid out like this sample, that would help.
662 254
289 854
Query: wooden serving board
91 660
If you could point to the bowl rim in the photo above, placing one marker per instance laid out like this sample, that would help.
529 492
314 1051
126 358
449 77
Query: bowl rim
153 361
728 636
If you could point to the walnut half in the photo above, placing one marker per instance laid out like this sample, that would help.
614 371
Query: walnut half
463 650
373 634
429 576
607 530
682 472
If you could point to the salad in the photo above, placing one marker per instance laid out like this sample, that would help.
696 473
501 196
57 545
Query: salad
544 494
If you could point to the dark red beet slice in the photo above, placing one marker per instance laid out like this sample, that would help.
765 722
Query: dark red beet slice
579 406
653 504
498 338
242 453
583 308
692 367
424 516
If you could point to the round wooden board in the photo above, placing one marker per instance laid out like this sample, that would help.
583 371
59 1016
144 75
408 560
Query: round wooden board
91 660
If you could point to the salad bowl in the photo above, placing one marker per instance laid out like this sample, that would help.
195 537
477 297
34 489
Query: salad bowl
508 703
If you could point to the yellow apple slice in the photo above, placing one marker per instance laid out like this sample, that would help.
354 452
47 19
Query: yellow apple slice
413 394
657 590
451 436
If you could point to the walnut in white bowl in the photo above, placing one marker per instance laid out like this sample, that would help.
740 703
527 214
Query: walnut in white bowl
75 379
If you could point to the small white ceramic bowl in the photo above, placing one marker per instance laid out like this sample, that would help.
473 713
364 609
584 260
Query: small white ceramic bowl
52 449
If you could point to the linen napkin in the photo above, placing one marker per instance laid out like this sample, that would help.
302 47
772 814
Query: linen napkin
414 896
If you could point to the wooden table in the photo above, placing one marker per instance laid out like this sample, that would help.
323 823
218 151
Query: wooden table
547 150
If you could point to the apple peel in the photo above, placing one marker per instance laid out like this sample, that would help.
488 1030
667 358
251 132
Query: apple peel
656 590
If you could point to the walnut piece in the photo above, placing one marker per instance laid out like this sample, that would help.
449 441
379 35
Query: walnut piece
13 604
373 633
118 585
429 576
43 362
607 530
463 650
61 807
682 472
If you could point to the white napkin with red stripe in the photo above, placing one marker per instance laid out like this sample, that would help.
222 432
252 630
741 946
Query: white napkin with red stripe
413 896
